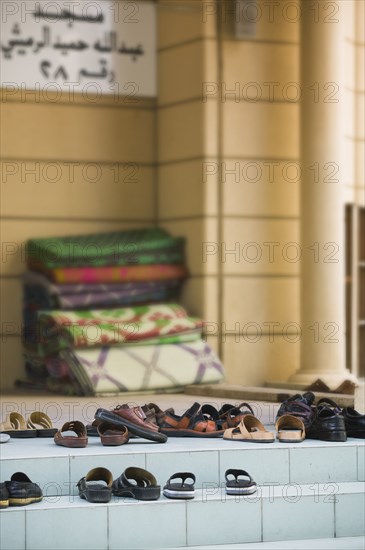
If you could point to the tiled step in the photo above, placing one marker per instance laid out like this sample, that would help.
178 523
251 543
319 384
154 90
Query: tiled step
57 469
277 513
345 543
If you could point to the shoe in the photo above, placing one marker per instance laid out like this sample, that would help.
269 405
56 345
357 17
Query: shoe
96 486
22 491
111 435
290 429
131 421
41 422
16 426
327 423
238 486
72 434
354 422
181 490
299 406
229 416
4 496
250 429
142 487
191 424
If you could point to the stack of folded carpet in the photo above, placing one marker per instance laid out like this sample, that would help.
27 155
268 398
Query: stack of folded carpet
73 281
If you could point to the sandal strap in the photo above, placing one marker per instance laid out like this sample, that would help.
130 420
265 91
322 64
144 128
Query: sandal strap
237 473
38 418
73 426
183 476
142 477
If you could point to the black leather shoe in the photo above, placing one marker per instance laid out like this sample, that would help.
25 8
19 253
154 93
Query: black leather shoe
22 491
354 422
4 496
328 423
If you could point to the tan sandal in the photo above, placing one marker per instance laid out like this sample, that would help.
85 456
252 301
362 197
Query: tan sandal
290 429
250 429
16 427
41 422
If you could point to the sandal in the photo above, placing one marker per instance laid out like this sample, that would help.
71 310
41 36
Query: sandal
290 429
111 435
191 424
134 424
96 486
143 487
180 490
16 427
41 422
250 429
229 416
64 438
238 486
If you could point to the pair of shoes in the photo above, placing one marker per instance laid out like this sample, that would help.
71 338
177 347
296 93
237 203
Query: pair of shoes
249 429
73 434
325 420
98 485
134 419
193 423
38 424
19 491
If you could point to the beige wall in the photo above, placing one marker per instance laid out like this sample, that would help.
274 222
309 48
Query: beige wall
68 167
219 168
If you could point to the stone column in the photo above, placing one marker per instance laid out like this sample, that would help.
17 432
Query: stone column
322 197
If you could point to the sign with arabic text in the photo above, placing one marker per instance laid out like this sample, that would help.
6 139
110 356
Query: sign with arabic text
103 47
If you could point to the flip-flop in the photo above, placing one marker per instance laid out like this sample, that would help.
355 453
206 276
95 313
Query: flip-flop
142 487
41 422
16 426
181 490
238 486
111 435
72 434
290 429
250 429
96 486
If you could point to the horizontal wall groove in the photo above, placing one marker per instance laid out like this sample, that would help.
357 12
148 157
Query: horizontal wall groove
184 43
230 217
84 105
210 158
184 102
69 219
262 41
78 162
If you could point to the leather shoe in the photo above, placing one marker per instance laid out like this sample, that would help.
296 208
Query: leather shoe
354 422
22 491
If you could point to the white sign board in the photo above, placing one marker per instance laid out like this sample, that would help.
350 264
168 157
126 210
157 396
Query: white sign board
106 47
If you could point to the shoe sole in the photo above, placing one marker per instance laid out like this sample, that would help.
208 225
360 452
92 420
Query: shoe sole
183 495
97 496
4 503
190 433
23 501
339 436
241 490
137 430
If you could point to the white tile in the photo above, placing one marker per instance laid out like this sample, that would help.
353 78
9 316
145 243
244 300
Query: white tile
345 543
350 515
51 474
320 465
296 517
116 463
361 463
147 525
225 521
266 465
66 528
203 464
12 529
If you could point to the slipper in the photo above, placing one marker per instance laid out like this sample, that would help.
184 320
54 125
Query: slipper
250 429
228 416
180 490
41 422
290 429
96 486
111 435
72 434
4 438
16 427
192 423
239 486
111 418
142 487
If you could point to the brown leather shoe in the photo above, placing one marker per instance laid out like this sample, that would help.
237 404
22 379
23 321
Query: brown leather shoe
136 416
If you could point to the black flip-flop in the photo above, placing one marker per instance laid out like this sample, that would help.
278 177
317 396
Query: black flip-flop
136 483
238 486
180 490
96 486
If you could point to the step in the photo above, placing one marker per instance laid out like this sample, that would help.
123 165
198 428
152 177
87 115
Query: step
276 513
57 469
344 543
